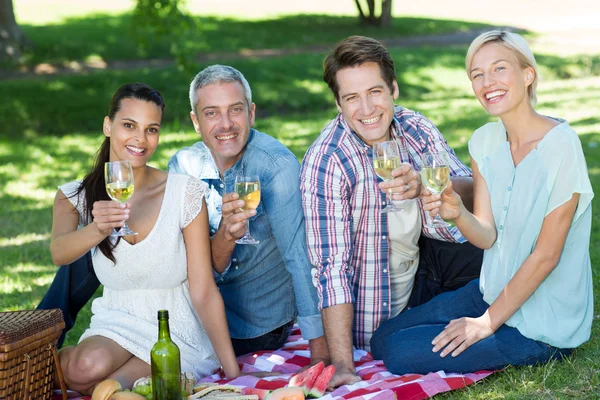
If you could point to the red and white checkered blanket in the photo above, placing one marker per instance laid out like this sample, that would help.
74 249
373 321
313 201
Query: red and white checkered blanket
377 384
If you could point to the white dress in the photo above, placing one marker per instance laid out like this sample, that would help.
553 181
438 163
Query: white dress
150 276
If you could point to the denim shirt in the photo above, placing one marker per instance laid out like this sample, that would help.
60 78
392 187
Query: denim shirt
268 284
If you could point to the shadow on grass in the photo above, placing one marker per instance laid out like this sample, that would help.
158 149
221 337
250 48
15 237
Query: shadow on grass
110 37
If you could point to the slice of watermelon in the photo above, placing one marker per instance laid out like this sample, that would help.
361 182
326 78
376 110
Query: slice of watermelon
261 393
318 389
306 379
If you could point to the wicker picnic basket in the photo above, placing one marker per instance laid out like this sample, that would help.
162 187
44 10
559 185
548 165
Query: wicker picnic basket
28 359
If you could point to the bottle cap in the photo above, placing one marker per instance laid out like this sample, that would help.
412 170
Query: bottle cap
163 314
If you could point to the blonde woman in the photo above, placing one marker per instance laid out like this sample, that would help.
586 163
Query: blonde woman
532 215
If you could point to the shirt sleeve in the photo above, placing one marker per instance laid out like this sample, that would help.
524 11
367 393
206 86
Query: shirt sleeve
282 204
194 193
434 141
568 175
326 204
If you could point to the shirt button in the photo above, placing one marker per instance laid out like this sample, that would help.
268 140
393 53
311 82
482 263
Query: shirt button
383 237
384 270
221 185
234 259
505 208
236 267
509 188
501 226
384 304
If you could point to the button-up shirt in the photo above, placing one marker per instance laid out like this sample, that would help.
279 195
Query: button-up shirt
561 310
346 232
267 284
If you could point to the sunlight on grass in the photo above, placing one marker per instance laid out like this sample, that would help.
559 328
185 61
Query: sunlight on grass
23 239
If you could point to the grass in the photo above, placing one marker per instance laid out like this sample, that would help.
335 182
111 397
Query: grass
51 128
117 37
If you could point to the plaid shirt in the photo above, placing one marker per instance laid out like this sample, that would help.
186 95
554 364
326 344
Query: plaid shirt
347 234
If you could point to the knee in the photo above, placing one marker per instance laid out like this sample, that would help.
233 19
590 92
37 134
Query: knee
84 366
378 344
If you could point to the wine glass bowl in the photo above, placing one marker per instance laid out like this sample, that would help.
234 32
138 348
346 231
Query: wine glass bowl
248 188
435 175
118 176
386 158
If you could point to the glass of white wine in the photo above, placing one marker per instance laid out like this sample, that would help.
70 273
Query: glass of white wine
435 175
386 158
118 176
248 188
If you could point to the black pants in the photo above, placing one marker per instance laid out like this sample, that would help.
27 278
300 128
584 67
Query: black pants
443 267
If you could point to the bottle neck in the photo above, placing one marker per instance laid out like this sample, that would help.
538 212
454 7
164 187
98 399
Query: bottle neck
163 329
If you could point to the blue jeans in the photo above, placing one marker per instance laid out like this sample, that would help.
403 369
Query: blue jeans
404 342
72 287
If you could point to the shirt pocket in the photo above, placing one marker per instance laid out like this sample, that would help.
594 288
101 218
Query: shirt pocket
260 226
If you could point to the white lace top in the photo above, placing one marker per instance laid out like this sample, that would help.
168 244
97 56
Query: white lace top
149 276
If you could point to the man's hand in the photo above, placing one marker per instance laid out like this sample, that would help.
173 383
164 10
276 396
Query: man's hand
342 377
405 185
233 222
109 214
461 333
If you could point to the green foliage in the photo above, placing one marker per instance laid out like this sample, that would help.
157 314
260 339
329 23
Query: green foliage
163 19
117 37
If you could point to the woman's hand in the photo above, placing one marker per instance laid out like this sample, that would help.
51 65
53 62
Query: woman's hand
448 205
461 333
108 215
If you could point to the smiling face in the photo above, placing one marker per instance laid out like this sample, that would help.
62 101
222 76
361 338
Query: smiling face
223 118
133 131
366 102
499 81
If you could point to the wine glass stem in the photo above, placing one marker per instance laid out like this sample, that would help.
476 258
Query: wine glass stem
388 196
247 235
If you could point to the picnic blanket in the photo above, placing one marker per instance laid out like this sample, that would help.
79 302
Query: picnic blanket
377 382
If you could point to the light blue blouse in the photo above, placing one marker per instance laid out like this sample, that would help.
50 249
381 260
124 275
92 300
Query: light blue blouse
560 311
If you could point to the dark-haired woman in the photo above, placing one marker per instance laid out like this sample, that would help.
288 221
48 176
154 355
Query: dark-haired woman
147 272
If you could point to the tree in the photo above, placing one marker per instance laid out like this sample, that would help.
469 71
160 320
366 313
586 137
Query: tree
12 38
370 17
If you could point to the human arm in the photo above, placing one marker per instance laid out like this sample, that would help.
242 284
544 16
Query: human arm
204 293
233 227
478 227
461 333
282 205
325 201
67 243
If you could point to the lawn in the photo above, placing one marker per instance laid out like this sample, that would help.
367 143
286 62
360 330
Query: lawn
51 129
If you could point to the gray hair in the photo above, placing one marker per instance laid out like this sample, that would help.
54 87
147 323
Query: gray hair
218 74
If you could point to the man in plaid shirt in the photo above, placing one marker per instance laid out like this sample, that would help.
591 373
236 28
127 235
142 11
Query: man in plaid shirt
366 260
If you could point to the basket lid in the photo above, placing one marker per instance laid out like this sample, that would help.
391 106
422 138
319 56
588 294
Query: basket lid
17 325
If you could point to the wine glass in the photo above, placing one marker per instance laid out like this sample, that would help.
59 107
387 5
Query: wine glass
386 158
435 175
118 176
248 188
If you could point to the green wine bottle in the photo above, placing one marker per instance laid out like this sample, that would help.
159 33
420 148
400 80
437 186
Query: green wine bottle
165 363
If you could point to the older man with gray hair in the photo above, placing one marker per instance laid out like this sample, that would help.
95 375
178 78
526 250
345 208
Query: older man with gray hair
266 285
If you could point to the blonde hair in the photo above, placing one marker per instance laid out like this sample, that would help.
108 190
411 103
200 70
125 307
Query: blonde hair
511 41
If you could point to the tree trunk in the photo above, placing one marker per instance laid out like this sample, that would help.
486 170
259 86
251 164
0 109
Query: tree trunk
370 18
386 13
12 38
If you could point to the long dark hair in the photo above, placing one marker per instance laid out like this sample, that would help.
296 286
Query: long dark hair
93 184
